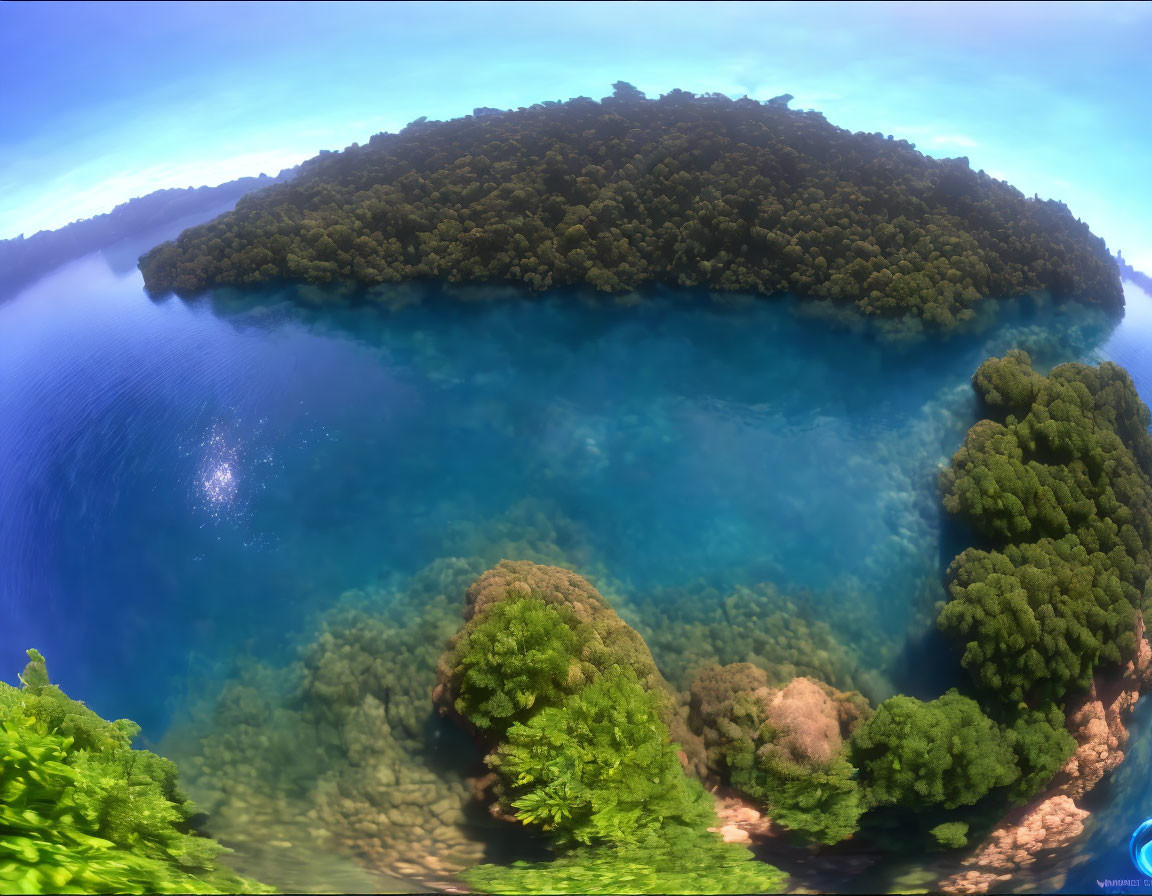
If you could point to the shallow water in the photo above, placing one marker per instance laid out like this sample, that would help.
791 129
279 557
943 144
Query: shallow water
181 483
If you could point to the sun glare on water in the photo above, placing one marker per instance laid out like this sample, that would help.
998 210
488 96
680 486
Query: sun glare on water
218 476
220 484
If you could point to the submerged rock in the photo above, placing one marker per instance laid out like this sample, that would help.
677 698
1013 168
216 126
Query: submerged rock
1046 827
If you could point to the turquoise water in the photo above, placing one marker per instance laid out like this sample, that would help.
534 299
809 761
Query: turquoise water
181 483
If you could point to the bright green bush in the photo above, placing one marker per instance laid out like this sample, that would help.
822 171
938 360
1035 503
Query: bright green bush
692 864
600 769
517 659
951 834
82 812
823 804
1042 745
919 755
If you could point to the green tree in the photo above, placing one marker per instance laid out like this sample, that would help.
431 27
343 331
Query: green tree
516 660
600 769
945 752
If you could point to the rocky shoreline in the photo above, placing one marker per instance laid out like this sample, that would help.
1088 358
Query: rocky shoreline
1054 820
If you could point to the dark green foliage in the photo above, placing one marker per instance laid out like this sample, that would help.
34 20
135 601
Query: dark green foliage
82 812
1037 619
823 804
942 753
685 190
600 769
1060 483
1042 745
518 659
951 834
698 863
1008 384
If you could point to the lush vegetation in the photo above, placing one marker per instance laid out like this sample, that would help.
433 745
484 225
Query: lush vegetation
83 812
600 769
1058 482
944 752
696 191
518 660
577 723
695 864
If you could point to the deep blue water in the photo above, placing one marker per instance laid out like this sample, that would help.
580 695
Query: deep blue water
179 481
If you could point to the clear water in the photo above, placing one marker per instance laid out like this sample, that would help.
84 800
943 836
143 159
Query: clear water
184 482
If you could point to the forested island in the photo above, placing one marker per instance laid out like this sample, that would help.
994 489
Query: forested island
625 193
23 259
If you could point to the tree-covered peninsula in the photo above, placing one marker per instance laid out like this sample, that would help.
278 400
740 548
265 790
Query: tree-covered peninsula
629 192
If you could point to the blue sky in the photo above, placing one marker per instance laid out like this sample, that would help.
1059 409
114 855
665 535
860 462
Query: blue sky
100 102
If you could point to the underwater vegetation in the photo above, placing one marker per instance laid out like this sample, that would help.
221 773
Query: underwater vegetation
689 629
695 191
83 812
345 739
342 748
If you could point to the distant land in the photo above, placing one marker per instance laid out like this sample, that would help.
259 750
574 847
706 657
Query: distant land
629 192
1131 274
22 260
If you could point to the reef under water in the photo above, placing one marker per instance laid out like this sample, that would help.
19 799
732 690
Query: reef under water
251 526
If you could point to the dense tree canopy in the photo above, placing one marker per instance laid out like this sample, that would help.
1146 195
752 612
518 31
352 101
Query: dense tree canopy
730 195
946 752
1059 482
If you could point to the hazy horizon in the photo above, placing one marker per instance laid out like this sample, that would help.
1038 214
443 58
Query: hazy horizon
108 102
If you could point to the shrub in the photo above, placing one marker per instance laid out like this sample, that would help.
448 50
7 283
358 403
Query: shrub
600 769
83 812
945 752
